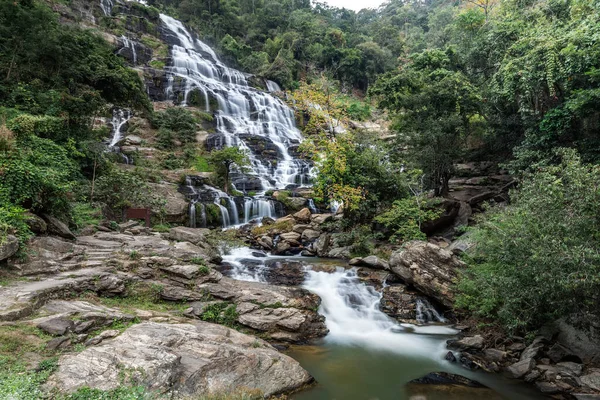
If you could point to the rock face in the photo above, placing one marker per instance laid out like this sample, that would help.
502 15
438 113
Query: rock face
8 247
429 268
58 227
185 359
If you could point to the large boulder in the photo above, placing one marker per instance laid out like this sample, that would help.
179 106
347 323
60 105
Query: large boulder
303 215
35 223
8 247
176 207
58 227
431 269
185 234
183 359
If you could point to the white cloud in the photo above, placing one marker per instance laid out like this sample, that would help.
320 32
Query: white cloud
355 5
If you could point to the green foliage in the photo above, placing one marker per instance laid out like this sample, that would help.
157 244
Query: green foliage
538 260
220 313
224 160
178 120
84 214
360 239
120 189
405 218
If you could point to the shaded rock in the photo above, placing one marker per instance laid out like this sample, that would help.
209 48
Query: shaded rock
57 326
35 223
371 262
398 303
586 396
58 227
189 360
303 215
287 273
429 268
521 368
266 242
445 378
339 252
579 338
8 247
295 203
592 380
495 355
450 357
569 369
110 285
282 247
468 343
531 351
300 228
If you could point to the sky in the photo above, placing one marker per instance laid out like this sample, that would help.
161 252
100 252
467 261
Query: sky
356 5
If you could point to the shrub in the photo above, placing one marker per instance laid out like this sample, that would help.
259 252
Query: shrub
120 189
406 217
539 259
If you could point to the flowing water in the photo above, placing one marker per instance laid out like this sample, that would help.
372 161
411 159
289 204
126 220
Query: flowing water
244 115
366 354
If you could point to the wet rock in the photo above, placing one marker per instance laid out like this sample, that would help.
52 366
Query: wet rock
58 227
190 360
35 223
371 262
429 268
521 368
531 351
468 343
586 396
266 242
445 378
569 369
398 303
533 376
286 273
303 215
8 247
282 248
552 387
57 326
450 357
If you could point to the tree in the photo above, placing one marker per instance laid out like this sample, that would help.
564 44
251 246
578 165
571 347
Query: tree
224 160
539 259
435 109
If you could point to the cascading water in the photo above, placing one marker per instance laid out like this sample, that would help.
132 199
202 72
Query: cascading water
128 45
426 312
244 113
256 208
106 6
273 87
352 314
119 119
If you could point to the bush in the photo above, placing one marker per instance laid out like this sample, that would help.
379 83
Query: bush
120 189
180 121
539 259
406 217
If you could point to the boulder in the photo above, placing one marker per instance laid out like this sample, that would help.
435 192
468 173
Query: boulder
319 219
183 359
292 237
132 140
578 337
309 235
295 203
339 252
35 223
58 227
8 247
521 368
182 271
446 378
398 303
592 380
303 215
468 343
56 326
371 262
288 273
429 268
185 234
176 207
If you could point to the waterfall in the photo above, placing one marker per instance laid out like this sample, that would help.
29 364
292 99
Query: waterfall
106 6
192 214
119 119
352 314
243 113
255 208
203 215
129 44
312 207
426 312
273 87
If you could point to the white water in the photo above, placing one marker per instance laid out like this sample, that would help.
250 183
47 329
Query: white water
243 111
119 119
256 208
106 6
129 44
352 314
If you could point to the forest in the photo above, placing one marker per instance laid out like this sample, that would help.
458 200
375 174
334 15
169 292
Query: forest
514 83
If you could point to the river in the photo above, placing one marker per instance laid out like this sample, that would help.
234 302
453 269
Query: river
367 355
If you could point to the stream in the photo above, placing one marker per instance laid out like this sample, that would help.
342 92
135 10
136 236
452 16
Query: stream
368 355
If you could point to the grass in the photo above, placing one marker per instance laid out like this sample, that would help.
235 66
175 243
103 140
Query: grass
223 313
140 296
86 215
162 228
283 226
